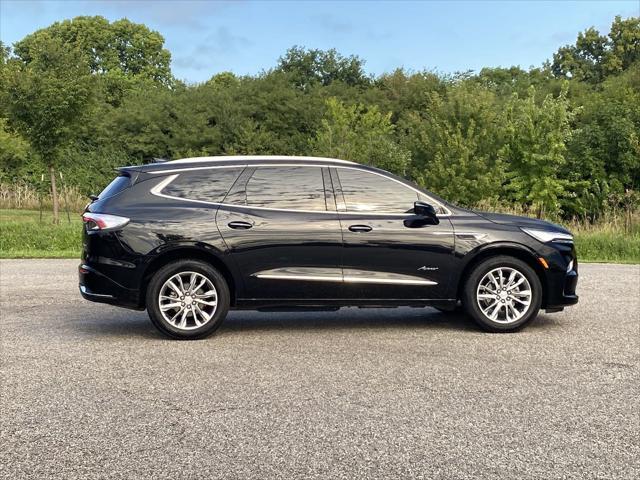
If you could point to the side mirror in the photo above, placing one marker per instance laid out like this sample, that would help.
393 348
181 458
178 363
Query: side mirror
426 210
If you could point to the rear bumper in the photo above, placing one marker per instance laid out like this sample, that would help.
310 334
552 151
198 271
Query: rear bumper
97 287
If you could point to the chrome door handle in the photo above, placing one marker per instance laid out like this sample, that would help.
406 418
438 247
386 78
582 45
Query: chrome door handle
360 228
240 225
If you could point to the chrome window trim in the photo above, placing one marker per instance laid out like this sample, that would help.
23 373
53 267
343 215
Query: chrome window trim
158 189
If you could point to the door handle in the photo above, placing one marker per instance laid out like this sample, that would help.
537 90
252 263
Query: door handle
360 228
237 225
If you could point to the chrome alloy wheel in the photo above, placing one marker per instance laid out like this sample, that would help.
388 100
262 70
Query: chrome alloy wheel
188 300
504 295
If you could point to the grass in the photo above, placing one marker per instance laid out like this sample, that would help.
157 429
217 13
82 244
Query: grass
24 235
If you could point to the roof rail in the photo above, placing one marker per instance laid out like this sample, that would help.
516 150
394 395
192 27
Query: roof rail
258 157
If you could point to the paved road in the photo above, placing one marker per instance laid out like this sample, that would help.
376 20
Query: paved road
93 391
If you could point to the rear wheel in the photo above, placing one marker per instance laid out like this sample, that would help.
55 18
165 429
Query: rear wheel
187 299
502 294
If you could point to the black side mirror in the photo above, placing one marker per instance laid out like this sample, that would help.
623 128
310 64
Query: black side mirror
427 212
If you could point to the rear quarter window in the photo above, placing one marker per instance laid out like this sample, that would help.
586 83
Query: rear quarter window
203 185
116 186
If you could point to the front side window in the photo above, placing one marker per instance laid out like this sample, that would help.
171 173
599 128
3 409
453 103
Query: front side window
287 188
368 192
209 185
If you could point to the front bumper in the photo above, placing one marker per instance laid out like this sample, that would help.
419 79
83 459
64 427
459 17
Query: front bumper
561 290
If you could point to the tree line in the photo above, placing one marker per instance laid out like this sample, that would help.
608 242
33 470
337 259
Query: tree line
83 96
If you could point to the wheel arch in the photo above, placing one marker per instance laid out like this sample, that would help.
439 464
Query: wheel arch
191 252
515 250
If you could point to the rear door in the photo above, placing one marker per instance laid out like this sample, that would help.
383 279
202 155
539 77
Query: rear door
281 225
387 254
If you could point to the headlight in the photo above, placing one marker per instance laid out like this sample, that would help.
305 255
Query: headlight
549 236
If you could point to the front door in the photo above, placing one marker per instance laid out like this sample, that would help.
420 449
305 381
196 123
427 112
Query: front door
387 253
282 229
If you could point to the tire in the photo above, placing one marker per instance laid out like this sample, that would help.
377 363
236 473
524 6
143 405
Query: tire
196 313
502 309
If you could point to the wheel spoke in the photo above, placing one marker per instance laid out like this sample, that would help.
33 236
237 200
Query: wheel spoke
204 314
175 316
195 317
179 277
183 320
495 311
210 293
484 287
174 287
522 293
486 296
169 306
202 282
204 302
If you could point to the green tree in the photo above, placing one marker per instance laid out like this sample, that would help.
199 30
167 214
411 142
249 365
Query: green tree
14 151
595 56
604 153
535 149
46 99
455 142
311 66
360 134
118 48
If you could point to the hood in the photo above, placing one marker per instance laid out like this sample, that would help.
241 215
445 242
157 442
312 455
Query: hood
519 221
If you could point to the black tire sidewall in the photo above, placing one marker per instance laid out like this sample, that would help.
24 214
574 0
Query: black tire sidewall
471 285
171 269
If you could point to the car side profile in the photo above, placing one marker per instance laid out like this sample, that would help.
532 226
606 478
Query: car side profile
190 239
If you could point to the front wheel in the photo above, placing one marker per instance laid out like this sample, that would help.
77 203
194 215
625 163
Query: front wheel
502 294
187 299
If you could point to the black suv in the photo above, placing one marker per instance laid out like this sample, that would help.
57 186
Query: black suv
190 239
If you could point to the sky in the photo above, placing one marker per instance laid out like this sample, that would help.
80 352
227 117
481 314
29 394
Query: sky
246 37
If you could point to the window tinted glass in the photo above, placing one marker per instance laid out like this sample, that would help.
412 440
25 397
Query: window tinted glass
368 192
291 188
204 185
117 185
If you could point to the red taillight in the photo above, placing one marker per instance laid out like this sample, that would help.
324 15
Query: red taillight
103 221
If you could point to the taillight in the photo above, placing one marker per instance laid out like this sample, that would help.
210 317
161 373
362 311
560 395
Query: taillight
103 221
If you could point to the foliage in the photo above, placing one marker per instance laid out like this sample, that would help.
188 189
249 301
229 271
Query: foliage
595 56
455 141
309 67
359 134
119 48
559 139
534 149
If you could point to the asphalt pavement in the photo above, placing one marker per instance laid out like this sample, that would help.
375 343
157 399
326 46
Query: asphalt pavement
93 391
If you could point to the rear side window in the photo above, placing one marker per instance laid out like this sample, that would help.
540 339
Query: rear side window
203 185
287 188
117 185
